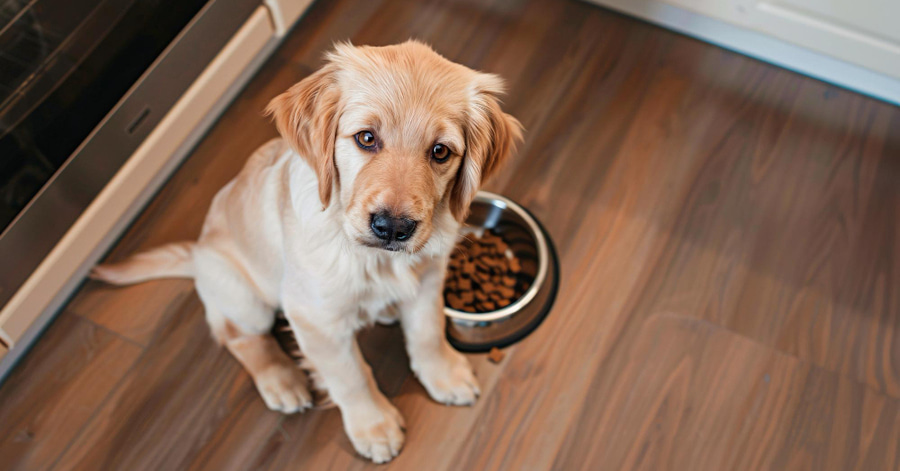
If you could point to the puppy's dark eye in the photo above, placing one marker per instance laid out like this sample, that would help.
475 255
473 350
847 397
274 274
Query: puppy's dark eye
440 153
366 140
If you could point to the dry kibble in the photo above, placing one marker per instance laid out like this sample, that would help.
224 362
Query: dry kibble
455 301
496 355
483 275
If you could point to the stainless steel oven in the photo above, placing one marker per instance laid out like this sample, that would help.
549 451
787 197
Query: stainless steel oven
82 83
99 101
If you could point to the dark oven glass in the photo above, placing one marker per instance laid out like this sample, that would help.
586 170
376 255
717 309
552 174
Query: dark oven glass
64 64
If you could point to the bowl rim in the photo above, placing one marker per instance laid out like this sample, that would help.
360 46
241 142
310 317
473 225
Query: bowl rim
543 263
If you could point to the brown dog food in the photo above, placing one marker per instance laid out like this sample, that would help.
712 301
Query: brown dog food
483 275
496 355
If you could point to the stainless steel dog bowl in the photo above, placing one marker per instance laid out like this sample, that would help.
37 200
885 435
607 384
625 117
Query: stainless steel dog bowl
531 244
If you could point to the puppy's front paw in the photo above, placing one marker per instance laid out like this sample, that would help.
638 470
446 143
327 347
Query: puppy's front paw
376 430
283 388
449 379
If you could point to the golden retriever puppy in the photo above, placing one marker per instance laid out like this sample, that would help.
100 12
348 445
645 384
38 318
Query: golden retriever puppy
353 212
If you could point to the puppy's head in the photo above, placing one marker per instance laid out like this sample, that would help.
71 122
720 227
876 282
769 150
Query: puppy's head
399 136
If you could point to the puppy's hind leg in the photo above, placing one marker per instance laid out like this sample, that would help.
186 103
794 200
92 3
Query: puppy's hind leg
283 386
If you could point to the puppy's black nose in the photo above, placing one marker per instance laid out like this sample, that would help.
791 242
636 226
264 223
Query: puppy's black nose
388 228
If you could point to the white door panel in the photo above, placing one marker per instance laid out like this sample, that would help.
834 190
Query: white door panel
863 32
879 18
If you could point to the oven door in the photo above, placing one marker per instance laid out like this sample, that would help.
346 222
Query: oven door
82 83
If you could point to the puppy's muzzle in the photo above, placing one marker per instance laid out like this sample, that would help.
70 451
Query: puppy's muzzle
389 229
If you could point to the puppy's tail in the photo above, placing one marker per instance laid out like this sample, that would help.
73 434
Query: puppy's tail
169 261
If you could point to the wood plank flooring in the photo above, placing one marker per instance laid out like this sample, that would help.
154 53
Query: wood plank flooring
729 234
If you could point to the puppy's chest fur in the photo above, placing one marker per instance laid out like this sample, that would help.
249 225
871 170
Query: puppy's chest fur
385 282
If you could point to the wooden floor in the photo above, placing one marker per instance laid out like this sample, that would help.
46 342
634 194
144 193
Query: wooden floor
729 234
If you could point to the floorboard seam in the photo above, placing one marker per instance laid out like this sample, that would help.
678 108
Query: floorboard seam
97 410
110 331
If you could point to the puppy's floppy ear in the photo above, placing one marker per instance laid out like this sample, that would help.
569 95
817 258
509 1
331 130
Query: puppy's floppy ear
491 138
306 117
